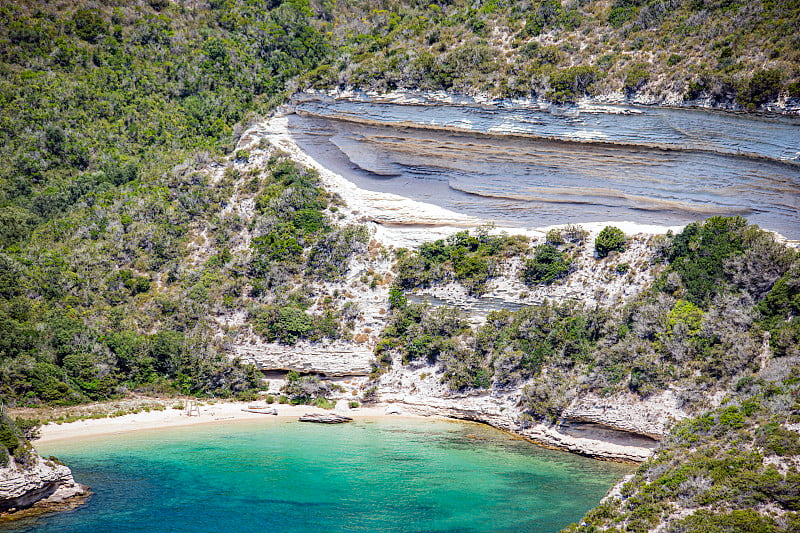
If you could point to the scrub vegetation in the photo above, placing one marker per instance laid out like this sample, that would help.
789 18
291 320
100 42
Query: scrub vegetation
472 260
725 51
119 243
727 287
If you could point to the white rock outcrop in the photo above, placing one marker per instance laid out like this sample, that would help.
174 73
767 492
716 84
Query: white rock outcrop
418 391
42 482
651 417
331 359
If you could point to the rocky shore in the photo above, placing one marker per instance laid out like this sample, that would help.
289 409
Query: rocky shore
624 429
39 486
619 429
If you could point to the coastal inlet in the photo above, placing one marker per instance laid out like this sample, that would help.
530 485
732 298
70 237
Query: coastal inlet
531 167
369 475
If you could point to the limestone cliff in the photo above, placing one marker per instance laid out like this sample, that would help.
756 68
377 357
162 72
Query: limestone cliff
39 483
617 428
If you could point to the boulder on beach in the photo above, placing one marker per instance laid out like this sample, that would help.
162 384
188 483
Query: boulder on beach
325 418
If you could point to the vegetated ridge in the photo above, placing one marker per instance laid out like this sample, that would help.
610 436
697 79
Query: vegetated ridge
719 53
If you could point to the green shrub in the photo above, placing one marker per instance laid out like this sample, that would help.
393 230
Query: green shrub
324 403
636 77
723 253
610 239
548 265
544 13
573 82
9 439
764 86
554 237
777 440
30 428
88 24
306 390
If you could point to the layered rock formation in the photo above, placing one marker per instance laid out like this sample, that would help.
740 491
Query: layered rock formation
40 484
619 429
332 359
623 429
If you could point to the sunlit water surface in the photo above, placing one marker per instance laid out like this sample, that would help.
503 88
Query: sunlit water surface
381 475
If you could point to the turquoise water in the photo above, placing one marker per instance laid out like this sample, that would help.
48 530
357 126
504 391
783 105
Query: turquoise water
382 475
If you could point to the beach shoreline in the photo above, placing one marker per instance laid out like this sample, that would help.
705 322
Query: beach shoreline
400 221
208 414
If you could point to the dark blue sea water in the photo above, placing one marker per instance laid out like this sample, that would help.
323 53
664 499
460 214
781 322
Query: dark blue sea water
383 475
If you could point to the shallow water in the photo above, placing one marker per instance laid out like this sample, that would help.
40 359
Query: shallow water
382 475
523 167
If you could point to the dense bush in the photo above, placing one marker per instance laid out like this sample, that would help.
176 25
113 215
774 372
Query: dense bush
571 83
726 254
610 239
548 265
469 259
764 86
306 390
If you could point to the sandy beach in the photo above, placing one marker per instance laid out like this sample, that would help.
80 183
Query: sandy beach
208 414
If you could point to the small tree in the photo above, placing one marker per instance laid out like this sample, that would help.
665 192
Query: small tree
547 265
611 239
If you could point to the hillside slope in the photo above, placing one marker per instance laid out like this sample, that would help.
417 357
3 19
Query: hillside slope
728 53
151 242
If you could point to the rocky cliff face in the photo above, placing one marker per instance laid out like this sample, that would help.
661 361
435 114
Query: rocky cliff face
333 359
617 428
40 484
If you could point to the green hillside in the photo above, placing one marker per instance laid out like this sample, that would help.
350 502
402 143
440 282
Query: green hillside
107 111
726 51
119 243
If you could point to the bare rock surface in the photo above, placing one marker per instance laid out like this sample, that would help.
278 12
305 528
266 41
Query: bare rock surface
419 391
42 483
325 418
331 359
651 417
500 413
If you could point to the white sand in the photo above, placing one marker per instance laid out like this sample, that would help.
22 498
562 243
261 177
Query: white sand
209 414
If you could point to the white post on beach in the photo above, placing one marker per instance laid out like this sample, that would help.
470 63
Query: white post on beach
192 409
